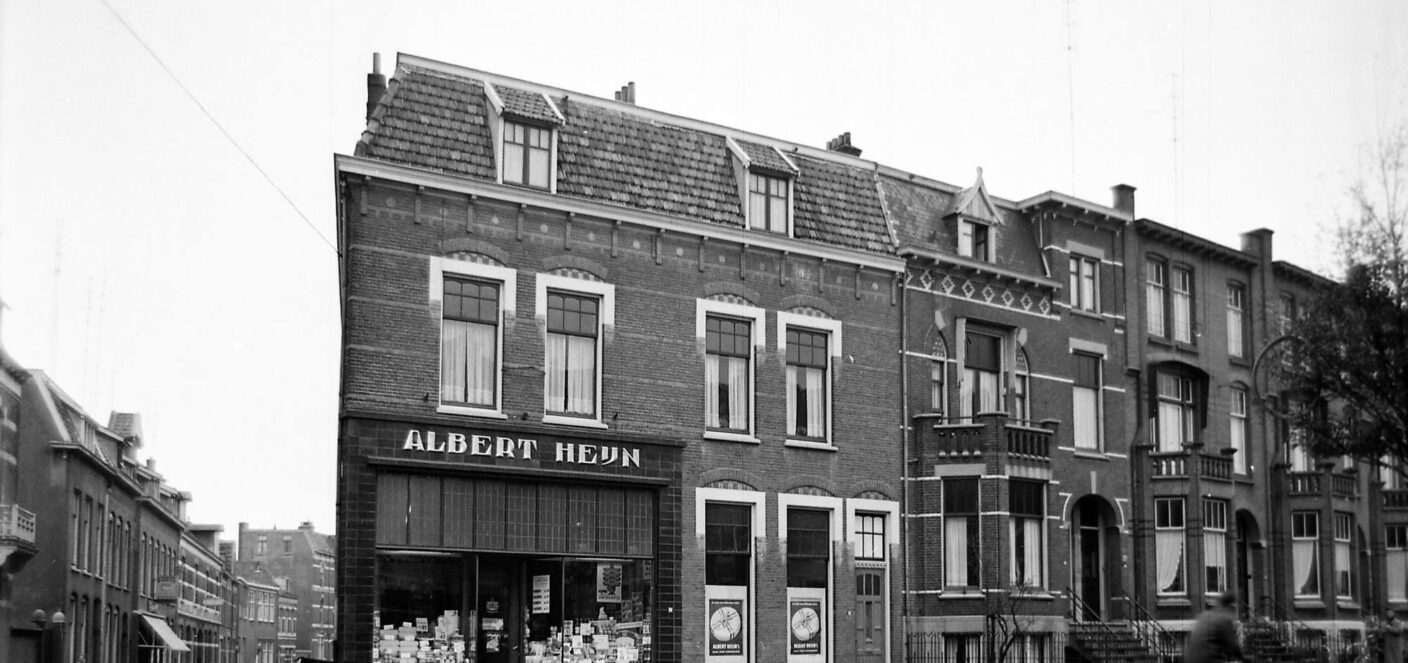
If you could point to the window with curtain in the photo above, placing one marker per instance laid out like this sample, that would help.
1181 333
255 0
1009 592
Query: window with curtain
1236 320
807 359
1169 545
1396 540
1084 283
1021 382
1182 304
870 536
1390 473
962 551
1085 401
570 353
728 346
469 343
728 543
1237 435
982 374
973 240
767 203
808 547
936 386
1305 534
1155 296
1215 545
1028 543
1175 413
527 155
1300 458
1344 555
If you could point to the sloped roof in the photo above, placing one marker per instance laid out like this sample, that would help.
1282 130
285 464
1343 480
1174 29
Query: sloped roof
974 203
762 156
126 424
527 105
922 215
437 118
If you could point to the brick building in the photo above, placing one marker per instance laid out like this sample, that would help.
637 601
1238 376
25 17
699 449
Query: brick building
17 523
302 562
258 598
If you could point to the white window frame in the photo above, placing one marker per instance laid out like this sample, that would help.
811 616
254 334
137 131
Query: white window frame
967 230
1344 551
1314 547
507 278
1237 310
703 308
1396 544
1156 297
832 328
974 519
551 152
1215 541
757 500
1181 330
836 509
1239 428
606 293
1042 569
1182 529
787 181
1099 389
1077 265
1005 370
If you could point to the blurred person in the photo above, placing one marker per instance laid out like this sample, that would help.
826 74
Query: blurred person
1214 634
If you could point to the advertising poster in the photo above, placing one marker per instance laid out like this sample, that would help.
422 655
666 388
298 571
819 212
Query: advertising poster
608 583
805 627
542 595
726 627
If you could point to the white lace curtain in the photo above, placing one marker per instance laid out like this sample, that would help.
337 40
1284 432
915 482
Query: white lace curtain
806 401
1215 558
1169 556
1303 560
1397 575
1027 569
726 379
956 551
467 363
571 374
1085 424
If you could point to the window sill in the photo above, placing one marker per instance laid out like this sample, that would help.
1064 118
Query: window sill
962 593
810 444
1346 603
468 411
576 422
721 436
1086 313
1239 361
1309 602
1174 601
1090 454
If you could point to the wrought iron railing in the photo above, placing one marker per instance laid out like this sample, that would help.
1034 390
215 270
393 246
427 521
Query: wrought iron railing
1150 632
955 647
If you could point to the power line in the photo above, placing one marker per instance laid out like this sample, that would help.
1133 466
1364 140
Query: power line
217 124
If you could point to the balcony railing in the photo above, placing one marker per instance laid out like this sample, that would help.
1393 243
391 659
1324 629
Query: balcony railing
193 609
1304 483
1029 442
1395 499
966 439
16 524
956 439
1344 485
1170 463
1216 466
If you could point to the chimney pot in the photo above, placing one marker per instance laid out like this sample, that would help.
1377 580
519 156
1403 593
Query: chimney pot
1124 198
376 85
842 144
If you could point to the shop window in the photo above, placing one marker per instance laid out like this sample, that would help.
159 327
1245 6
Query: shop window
1176 413
1169 545
1344 557
1215 545
1305 535
1236 320
527 155
1026 533
1396 540
1237 436
1086 401
1084 283
411 588
728 373
982 371
962 547
768 202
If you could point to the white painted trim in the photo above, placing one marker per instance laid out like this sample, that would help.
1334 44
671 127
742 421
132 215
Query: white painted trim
832 327
1084 250
810 444
560 117
836 507
739 154
607 321
676 224
1052 378
979 302
790 164
495 101
758 317
507 279
720 436
890 509
757 500
1089 347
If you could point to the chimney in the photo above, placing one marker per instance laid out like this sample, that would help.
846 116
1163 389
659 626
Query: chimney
843 145
627 93
376 85
1124 198
306 526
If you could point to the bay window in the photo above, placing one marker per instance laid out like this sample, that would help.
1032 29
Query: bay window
1305 535
1215 545
1176 413
961 544
1028 509
1344 557
1169 545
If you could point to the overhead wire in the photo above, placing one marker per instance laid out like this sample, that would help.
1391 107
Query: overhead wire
210 116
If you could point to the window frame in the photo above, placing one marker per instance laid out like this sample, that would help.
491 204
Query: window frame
1182 333
970 396
1188 407
1215 544
1078 276
1098 391
507 279
1299 522
1237 339
1166 515
703 310
549 153
1344 543
974 235
605 293
1016 521
768 179
832 328
1239 422
1156 296
973 565
1396 549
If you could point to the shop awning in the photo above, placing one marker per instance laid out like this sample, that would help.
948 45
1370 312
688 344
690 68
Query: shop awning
165 634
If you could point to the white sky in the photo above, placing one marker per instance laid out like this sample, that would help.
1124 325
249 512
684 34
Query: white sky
150 268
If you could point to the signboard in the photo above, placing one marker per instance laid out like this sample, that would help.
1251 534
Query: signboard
805 627
167 588
542 595
608 582
499 446
726 623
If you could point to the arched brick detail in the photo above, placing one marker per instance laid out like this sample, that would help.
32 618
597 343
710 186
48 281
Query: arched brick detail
575 262
810 490
730 484
731 288
802 481
729 474
872 490
472 245
808 301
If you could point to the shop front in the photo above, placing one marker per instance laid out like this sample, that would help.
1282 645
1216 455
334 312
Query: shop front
511 546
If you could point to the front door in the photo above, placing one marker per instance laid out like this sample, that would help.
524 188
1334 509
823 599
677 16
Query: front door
1091 580
1244 570
499 614
870 616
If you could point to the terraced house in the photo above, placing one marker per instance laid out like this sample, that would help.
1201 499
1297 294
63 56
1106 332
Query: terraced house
628 385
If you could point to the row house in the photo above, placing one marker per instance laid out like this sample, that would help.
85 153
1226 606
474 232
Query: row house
301 561
616 383
205 611
258 594
17 523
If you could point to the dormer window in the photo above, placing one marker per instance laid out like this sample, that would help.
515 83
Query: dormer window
767 203
973 240
527 154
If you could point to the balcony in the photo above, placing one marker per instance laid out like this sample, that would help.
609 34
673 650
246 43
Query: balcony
1304 483
17 527
192 609
943 440
1395 499
1176 465
1341 485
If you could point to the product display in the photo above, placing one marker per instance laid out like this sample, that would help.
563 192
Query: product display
422 643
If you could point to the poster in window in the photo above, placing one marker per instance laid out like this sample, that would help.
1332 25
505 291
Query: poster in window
805 627
608 583
725 627
542 594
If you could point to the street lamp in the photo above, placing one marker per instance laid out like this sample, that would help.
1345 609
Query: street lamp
42 621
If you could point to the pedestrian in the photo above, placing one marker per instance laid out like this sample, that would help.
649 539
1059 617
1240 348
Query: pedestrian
1214 635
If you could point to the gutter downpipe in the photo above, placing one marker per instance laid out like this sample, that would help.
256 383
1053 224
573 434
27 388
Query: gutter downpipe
905 543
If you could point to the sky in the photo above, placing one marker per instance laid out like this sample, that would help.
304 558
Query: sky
166 197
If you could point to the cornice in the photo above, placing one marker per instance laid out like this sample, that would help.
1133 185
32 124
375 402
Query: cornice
979 268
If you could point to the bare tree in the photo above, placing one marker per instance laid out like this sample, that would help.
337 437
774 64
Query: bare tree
1009 621
1375 231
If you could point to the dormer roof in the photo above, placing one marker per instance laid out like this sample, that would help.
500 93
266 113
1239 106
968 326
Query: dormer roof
974 203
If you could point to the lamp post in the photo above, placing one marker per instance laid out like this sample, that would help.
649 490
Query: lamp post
43 621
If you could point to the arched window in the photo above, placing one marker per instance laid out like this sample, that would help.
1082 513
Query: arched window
938 374
1021 401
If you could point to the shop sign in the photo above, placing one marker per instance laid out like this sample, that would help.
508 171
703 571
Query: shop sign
574 453
805 626
167 588
725 627
542 595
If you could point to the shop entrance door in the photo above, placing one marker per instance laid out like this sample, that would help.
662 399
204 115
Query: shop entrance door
499 610
870 616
